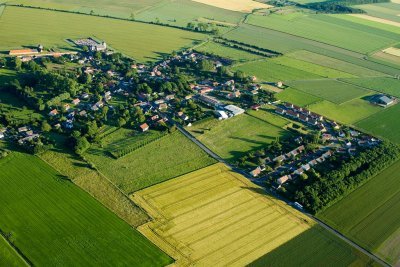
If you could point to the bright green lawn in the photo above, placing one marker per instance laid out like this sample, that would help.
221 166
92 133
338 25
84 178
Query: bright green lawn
371 214
331 90
24 26
348 113
331 30
8 256
385 124
314 248
333 63
384 85
233 137
316 69
297 97
227 52
53 222
270 71
166 158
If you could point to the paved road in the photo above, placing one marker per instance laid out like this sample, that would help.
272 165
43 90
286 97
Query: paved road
324 225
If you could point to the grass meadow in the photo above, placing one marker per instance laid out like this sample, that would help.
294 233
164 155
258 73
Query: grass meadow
166 158
384 124
213 211
8 256
266 113
333 63
348 113
23 27
386 85
233 137
54 222
297 97
271 71
331 90
371 214
389 11
14 109
331 30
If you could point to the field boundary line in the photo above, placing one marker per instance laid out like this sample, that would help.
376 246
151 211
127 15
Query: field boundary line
16 250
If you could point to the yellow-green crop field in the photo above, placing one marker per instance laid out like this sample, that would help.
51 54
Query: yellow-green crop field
215 217
25 26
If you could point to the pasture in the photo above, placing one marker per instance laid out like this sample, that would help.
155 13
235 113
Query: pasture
389 11
297 97
371 214
385 124
347 113
331 30
333 63
232 138
386 85
8 256
331 90
6 76
227 52
166 158
216 217
270 71
54 222
23 27
266 113
15 110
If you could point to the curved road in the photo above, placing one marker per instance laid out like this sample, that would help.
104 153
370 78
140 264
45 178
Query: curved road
324 225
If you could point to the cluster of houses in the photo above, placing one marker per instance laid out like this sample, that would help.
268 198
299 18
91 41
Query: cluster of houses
25 134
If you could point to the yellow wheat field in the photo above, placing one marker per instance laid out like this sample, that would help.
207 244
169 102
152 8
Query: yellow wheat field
215 217
246 6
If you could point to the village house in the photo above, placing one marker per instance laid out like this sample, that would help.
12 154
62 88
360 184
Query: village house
76 101
221 115
144 127
162 106
255 107
280 181
280 111
54 112
256 172
22 52
209 100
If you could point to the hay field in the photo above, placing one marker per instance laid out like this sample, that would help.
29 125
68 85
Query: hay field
371 214
375 19
53 222
144 42
215 217
246 6
231 138
392 51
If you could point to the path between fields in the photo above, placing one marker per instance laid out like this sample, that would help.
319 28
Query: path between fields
324 225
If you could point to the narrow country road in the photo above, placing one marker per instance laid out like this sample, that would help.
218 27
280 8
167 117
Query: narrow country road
321 223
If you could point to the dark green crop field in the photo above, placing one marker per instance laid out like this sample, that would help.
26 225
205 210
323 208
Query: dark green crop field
53 222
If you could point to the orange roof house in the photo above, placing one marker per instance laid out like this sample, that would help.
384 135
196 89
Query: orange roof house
20 52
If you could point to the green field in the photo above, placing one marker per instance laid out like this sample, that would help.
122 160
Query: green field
189 11
117 8
166 158
331 30
388 11
371 214
347 113
321 71
8 256
297 97
333 63
24 26
331 90
53 222
227 52
6 75
270 71
384 85
385 124
231 138
266 113
313 248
